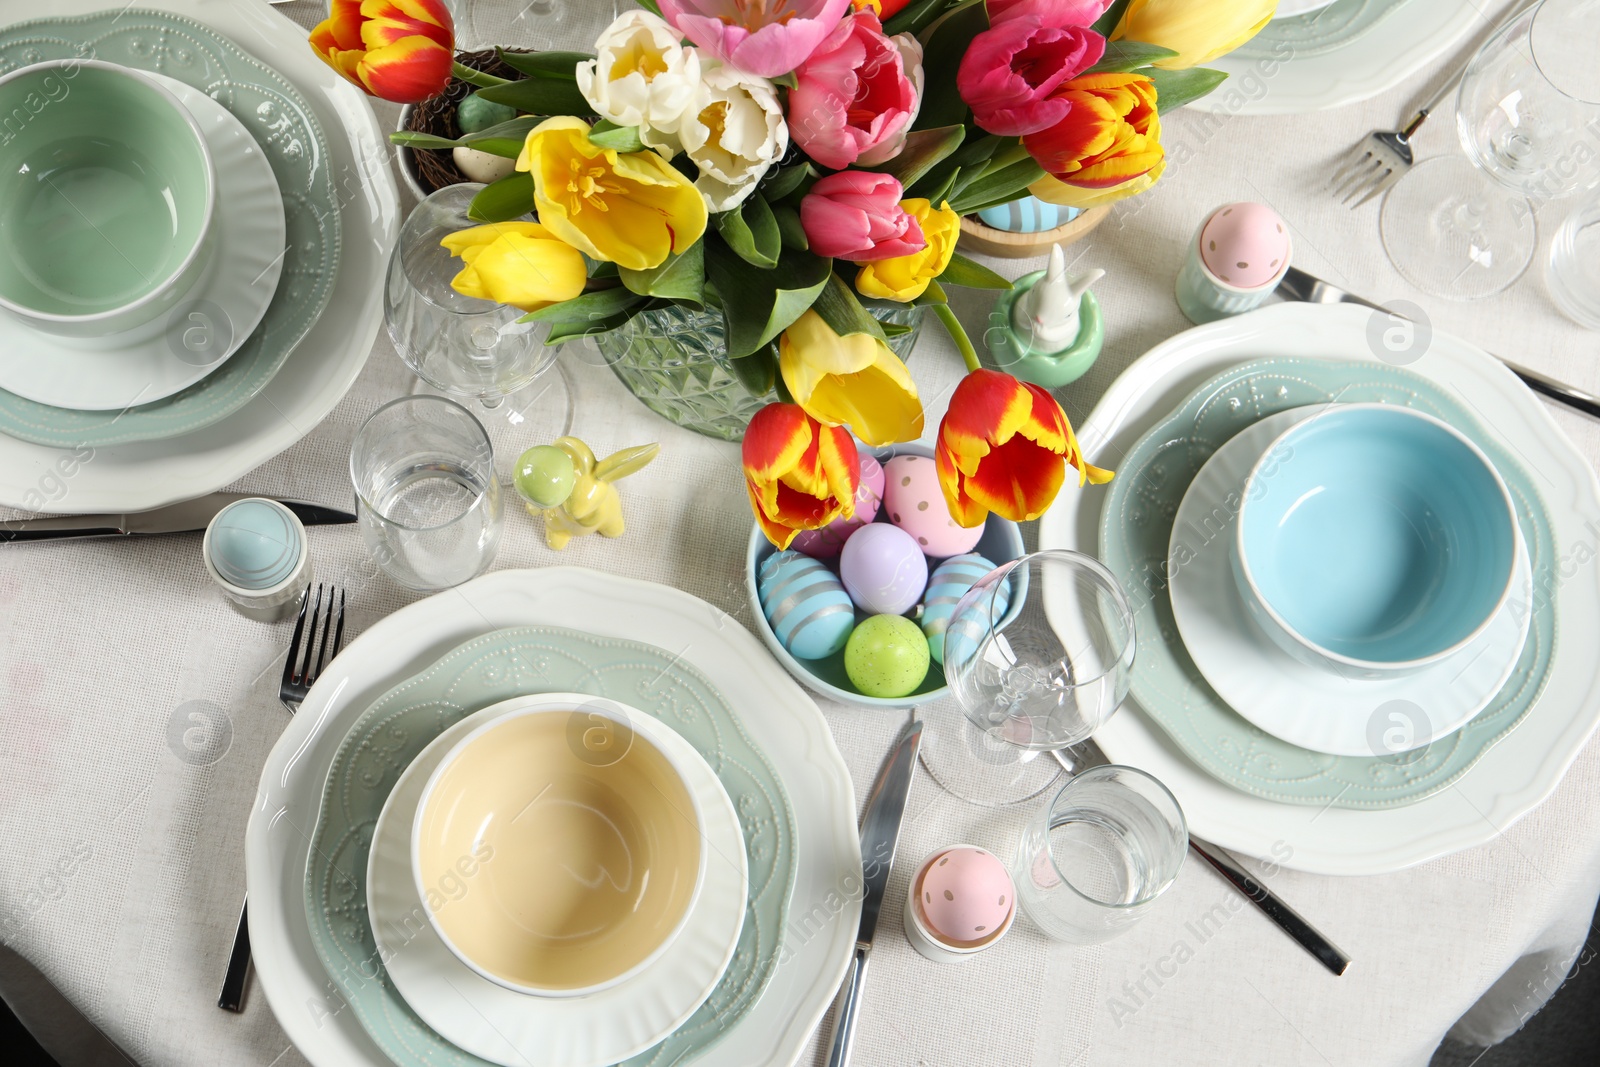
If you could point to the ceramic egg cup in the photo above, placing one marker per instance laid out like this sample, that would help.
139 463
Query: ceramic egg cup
978 236
929 943
1001 543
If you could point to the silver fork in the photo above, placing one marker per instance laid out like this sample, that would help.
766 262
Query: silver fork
310 651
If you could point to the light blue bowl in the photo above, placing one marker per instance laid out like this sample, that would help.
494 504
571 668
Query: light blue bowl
1000 544
1374 540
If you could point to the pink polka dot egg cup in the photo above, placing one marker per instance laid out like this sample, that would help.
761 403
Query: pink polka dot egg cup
1000 543
960 902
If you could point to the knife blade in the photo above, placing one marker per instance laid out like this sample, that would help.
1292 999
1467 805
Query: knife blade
880 832
1287 919
190 516
1298 285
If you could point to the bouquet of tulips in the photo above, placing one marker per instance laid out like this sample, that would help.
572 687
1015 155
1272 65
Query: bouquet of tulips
792 164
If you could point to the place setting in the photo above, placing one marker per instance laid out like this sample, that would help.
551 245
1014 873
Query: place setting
806 545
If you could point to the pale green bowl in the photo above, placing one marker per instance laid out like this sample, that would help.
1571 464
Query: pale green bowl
107 197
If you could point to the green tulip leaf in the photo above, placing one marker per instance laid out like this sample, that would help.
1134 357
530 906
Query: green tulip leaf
789 228
509 198
566 331
588 308
681 279
947 43
924 150
1003 185
916 17
1174 88
972 275
545 64
1129 55
752 232
780 182
842 311
758 305
1106 24
539 96
757 372
622 138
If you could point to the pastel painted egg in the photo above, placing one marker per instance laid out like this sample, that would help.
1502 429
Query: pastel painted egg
1245 245
808 609
884 571
966 895
949 583
886 656
827 542
1027 215
915 503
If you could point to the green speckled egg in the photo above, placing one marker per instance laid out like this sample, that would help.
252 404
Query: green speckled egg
887 656
474 114
545 475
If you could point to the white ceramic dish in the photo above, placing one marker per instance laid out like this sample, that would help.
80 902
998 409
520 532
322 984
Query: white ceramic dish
1316 708
1519 772
135 477
123 370
1409 40
1288 8
509 1028
783 722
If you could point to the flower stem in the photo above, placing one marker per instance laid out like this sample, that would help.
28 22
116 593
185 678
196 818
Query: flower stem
958 334
462 72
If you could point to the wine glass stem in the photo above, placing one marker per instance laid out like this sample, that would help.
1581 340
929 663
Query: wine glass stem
491 402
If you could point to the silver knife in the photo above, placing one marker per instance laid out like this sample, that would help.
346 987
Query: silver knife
880 830
1297 285
188 517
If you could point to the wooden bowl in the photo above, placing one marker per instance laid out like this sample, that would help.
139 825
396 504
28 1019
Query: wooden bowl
978 237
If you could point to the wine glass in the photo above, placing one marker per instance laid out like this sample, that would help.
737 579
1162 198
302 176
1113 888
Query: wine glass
1038 655
467 348
1526 112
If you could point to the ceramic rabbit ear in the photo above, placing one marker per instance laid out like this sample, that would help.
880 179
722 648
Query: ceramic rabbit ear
621 464
582 455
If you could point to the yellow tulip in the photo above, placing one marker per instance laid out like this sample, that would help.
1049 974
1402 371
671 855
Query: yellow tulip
1052 191
854 381
904 278
517 263
629 208
1199 31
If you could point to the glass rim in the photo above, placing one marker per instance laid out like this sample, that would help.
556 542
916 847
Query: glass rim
480 497
1541 66
1183 826
1106 581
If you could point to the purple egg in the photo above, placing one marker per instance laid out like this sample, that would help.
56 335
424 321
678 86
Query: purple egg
827 542
883 569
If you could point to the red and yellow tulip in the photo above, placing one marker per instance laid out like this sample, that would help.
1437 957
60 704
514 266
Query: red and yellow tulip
1107 147
1004 446
399 50
800 473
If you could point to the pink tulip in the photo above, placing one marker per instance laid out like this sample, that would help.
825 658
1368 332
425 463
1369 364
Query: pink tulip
856 215
1011 70
855 98
767 38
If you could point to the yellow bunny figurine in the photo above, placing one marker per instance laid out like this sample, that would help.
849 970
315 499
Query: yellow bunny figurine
573 491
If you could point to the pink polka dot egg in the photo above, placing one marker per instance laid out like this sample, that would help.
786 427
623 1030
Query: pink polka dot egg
1245 245
914 502
964 897
828 542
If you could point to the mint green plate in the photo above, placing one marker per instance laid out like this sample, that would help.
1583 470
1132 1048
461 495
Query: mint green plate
283 124
1320 31
485 671
1135 531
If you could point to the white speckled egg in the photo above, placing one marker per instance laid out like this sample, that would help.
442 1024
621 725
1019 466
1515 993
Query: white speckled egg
966 895
915 503
805 604
1245 245
827 542
948 584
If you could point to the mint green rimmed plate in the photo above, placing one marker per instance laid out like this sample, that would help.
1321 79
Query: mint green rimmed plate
485 671
282 123
1320 31
1135 534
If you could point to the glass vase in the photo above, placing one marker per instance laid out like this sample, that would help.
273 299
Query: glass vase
676 362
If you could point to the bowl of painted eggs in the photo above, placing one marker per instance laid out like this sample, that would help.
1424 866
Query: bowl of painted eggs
857 611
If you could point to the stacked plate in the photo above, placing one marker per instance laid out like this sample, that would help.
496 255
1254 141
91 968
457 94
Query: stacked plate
548 819
159 289
1342 706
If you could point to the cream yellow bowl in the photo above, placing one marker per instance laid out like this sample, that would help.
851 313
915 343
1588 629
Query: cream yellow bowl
559 848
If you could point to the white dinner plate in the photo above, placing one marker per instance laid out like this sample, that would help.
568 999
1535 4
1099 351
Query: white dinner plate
124 370
518 1030
1308 706
1290 8
150 474
1408 40
780 719
1515 775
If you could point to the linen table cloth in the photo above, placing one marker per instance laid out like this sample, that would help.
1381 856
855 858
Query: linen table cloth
122 868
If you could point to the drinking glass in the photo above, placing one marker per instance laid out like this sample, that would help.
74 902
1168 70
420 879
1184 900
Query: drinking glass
467 348
1573 270
1095 859
1038 655
427 498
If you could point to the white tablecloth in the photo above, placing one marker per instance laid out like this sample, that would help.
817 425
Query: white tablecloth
122 869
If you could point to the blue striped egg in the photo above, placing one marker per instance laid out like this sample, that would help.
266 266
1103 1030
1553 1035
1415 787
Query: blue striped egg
1028 215
948 584
805 604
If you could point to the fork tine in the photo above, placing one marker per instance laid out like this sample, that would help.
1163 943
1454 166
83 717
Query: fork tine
1384 181
338 633
1364 191
311 639
1352 161
294 642
1357 178
322 647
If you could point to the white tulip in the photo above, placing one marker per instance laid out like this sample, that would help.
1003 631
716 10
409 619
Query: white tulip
642 76
734 132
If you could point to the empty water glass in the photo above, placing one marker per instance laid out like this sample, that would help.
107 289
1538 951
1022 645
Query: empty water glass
1573 270
1096 858
427 498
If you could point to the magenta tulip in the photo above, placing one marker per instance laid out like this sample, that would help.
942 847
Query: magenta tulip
856 215
767 38
1012 70
856 96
